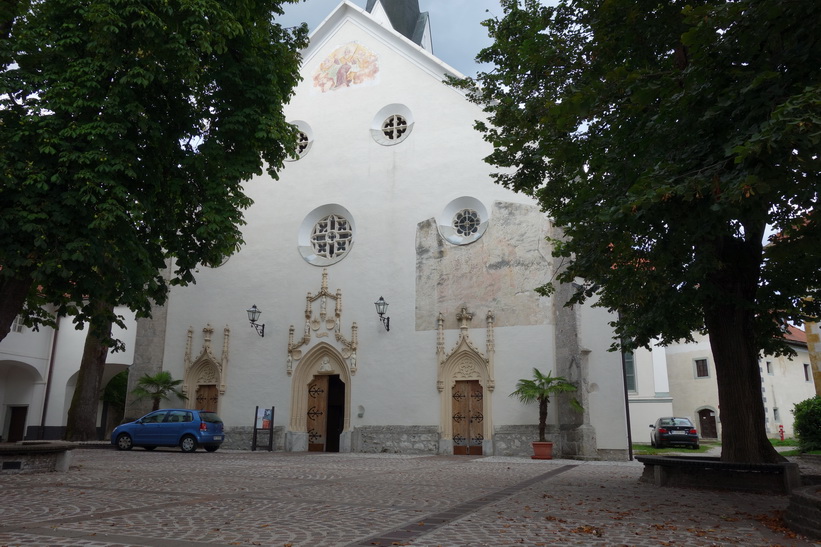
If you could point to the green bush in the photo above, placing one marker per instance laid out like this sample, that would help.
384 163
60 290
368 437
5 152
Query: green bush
808 424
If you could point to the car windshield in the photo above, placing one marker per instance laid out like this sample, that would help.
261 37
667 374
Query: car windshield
210 417
675 421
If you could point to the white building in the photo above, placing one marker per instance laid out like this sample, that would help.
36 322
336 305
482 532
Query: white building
389 198
38 373
688 373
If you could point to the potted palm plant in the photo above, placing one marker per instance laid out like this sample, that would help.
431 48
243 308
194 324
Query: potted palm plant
539 389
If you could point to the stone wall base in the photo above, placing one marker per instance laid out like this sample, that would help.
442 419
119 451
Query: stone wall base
396 439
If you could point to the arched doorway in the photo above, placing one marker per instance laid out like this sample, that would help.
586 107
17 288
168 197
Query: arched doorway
707 424
202 381
320 403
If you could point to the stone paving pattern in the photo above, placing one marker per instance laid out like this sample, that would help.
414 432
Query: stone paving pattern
166 498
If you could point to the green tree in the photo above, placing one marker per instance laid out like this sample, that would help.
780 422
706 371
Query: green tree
808 424
540 389
158 388
664 138
126 130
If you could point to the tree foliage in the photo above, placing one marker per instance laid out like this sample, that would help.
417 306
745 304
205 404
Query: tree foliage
808 423
664 138
126 130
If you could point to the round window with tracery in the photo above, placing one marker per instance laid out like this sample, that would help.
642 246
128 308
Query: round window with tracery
395 127
302 143
466 222
331 237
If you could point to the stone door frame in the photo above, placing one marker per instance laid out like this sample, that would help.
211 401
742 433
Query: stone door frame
322 359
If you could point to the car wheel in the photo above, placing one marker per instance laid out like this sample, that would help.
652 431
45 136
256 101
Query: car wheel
652 442
695 447
188 443
124 442
212 448
149 448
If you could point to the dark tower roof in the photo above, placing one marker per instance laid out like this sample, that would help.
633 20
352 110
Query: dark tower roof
405 17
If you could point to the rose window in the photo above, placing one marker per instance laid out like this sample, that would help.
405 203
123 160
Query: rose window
331 237
466 222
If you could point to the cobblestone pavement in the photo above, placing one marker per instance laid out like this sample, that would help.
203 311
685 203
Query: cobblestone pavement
166 498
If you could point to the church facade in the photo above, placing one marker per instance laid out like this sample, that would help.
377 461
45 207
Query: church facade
389 198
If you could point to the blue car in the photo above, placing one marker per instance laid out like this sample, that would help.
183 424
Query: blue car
181 427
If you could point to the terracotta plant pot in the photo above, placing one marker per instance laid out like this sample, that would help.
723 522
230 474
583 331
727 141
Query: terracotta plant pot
542 451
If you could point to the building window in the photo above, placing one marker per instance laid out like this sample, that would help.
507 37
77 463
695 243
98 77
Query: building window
630 371
701 369
331 237
770 368
394 127
304 140
466 222
807 376
776 415
302 143
463 220
392 124
17 325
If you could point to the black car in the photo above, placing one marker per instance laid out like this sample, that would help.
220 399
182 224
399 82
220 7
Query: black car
672 431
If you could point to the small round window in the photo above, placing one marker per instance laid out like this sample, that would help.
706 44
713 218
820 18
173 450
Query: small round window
463 221
394 127
331 237
466 222
392 124
304 140
302 144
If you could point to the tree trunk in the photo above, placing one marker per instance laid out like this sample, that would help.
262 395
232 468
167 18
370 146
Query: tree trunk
542 419
13 292
82 415
730 324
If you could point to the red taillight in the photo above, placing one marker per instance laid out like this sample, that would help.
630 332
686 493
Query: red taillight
693 432
203 426
662 430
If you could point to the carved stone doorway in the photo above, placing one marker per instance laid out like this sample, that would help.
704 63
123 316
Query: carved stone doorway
468 417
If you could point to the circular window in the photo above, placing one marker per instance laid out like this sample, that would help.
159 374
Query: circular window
331 237
392 124
394 127
466 222
463 221
326 235
304 140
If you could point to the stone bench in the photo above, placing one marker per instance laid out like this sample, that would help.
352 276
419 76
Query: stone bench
712 473
35 457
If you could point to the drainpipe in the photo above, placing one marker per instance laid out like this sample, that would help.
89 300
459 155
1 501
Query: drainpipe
48 380
627 406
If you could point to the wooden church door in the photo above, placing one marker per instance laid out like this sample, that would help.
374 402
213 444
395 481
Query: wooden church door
207 397
317 413
467 417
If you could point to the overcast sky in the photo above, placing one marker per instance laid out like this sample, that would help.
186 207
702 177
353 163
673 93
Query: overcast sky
455 25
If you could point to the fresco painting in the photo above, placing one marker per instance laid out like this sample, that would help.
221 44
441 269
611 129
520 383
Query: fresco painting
349 65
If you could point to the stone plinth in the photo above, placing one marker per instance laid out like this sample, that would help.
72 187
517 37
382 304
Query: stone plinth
35 457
